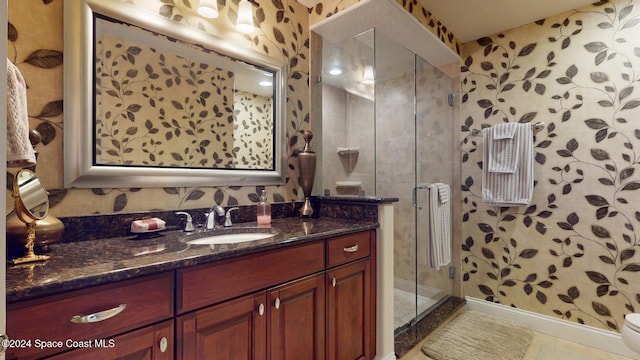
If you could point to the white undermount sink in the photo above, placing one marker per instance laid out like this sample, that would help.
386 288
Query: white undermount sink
213 238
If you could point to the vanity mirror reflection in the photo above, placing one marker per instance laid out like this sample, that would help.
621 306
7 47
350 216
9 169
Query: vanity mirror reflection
31 204
154 103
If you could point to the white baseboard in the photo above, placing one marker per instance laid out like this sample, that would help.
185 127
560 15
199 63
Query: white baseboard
391 356
582 334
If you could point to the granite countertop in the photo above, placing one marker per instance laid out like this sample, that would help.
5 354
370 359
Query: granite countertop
81 264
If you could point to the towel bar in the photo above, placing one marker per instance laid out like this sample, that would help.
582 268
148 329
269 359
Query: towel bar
536 127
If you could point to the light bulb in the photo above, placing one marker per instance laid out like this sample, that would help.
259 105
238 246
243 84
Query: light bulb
245 17
367 75
208 8
335 71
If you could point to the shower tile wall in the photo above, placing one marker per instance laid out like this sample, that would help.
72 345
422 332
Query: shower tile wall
349 119
435 127
395 155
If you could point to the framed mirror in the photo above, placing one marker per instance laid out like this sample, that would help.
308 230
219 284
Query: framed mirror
153 103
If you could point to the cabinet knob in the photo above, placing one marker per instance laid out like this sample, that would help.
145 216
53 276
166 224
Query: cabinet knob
99 316
351 249
333 281
261 309
276 303
164 344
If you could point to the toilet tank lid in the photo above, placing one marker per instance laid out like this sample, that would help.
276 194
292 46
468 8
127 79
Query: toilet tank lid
633 320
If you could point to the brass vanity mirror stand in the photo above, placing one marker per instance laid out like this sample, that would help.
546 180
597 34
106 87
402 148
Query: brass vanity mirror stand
31 204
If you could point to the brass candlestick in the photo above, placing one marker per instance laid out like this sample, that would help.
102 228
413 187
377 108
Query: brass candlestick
307 165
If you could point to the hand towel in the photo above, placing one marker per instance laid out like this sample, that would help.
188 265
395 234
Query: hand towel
443 192
439 228
509 189
503 148
20 152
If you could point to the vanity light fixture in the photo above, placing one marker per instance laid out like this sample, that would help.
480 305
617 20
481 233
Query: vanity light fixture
208 8
367 75
244 23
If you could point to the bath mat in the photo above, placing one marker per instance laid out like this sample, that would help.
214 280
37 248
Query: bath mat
477 336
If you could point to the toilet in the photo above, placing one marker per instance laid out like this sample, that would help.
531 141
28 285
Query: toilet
631 332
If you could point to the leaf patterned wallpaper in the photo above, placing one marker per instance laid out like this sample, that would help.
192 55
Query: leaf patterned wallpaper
35 45
574 252
158 108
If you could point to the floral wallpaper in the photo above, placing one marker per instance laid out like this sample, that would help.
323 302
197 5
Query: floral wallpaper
35 45
157 108
252 129
574 251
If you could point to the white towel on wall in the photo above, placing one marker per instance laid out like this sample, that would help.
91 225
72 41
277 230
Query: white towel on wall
439 228
504 148
20 152
509 188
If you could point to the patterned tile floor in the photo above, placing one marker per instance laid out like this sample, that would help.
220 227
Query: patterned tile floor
544 347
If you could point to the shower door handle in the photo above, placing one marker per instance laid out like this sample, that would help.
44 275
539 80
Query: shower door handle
415 196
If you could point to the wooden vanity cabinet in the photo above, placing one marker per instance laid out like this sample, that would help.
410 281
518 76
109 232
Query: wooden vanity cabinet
283 320
314 300
297 319
348 312
311 301
236 329
58 323
351 303
153 342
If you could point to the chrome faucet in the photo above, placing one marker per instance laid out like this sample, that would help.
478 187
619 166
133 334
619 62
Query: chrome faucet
211 216
227 220
188 226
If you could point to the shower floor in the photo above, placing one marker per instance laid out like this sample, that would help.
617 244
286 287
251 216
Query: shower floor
404 305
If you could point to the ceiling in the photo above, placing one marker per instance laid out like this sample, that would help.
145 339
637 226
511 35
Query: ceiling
470 20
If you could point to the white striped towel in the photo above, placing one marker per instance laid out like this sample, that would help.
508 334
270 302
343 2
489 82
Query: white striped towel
503 148
20 152
509 189
439 243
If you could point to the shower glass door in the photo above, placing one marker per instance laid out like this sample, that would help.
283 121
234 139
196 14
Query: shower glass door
414 131
434 164
384 138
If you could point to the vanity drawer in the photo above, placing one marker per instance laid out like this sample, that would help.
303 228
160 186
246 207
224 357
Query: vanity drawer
58 319
347 248
209 284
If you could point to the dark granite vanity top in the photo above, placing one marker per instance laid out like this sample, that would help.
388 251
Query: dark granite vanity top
76 265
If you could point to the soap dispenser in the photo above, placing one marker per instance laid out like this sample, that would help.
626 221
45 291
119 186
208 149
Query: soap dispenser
264 210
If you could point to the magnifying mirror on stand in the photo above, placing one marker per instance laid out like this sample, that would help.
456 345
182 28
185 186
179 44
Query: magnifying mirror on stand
31 204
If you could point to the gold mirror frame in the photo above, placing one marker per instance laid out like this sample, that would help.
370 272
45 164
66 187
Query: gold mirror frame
80 169
31 204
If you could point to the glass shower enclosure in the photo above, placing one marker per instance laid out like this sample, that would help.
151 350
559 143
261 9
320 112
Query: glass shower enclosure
387 131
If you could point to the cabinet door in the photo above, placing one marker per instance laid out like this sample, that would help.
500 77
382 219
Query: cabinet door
297 320
154 342
235 330
349 320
